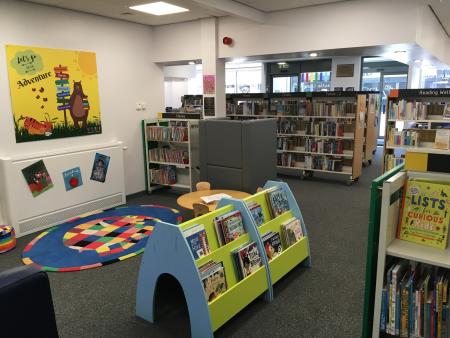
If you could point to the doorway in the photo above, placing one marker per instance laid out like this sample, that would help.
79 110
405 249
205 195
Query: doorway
381 74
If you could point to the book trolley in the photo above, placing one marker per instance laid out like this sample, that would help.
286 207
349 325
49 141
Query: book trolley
308 139
167 252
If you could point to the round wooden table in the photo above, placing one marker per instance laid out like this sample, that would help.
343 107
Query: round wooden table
187 200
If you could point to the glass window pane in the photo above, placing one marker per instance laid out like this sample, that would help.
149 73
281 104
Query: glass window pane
315 81
281 84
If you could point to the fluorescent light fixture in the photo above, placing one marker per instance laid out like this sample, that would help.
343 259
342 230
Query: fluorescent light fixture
281 63
191 63
159 8
417 61
313 54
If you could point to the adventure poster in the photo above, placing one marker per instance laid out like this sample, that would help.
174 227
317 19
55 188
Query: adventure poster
54 93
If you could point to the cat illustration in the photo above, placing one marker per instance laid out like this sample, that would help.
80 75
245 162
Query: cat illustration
77 101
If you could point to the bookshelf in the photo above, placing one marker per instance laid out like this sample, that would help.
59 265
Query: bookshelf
170 153
389 245
167 252
328 132
413 118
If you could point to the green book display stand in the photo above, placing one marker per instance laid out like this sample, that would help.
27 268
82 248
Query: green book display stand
167 252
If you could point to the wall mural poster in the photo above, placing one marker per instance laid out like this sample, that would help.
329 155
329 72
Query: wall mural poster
37 177
209 84
54 93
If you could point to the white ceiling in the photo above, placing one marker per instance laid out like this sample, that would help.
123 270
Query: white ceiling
116 8
442 11
278 5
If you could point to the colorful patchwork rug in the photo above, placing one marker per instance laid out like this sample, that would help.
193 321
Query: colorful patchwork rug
97 239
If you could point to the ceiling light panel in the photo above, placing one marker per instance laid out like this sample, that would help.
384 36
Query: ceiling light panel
159 8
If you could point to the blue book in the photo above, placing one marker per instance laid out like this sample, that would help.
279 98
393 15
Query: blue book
197 240
257 213
384 306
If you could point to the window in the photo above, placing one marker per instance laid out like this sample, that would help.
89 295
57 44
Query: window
435 78
285 84
243 78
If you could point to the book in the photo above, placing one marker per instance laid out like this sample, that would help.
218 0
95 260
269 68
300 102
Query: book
257 213
197 239
442 139
292 231
277 201
213 279
229 226
272 244
249 259
425 213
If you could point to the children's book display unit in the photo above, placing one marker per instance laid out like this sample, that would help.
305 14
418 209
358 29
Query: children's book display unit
329 132
168 252
390 246
170 153
415 120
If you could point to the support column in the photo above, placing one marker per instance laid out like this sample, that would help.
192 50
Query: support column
213 71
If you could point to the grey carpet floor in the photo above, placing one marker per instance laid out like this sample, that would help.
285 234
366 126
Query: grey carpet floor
323 301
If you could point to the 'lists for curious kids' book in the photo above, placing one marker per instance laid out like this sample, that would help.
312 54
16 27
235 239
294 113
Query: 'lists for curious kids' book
425 213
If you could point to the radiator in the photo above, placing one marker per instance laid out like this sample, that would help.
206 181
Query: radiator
28 214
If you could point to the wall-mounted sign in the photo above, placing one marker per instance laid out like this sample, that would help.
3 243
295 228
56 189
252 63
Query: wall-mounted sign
345 70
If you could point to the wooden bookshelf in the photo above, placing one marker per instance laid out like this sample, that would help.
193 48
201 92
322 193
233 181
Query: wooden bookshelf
168 253
184 169
295 111
413 116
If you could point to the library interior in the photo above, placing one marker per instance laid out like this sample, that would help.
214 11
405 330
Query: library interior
240 168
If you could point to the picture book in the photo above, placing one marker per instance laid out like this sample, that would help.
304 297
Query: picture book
213 279
100 168
249 259
272 244
277 201
425 213
37 178
292 231
72 178
197 239
231 226
257 213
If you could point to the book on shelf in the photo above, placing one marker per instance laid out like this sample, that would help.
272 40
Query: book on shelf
169 155
161 133
292 231
391 161
405 137
163 175
197 239
229 227
416 110
257 213
277 201
415 300
329 108
247 258
425 213
213 279
272 244
442 139
446 115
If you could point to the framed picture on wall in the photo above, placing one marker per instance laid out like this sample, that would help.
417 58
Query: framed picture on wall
345 70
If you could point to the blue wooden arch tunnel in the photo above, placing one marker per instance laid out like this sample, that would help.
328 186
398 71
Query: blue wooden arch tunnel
168 253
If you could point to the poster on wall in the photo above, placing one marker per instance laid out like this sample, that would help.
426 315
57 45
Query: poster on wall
100 168
209 106
209 84
54 93
72 178
37 177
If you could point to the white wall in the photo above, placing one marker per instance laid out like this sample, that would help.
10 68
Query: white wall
344 82
126 75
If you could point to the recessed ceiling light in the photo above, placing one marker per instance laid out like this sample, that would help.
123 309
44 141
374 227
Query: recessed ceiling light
159 8
191 63
313 54
400 51
281 63
417 61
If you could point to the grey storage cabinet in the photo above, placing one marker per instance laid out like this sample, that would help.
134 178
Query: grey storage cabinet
237 155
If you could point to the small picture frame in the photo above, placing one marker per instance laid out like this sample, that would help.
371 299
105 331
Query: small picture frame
345 70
